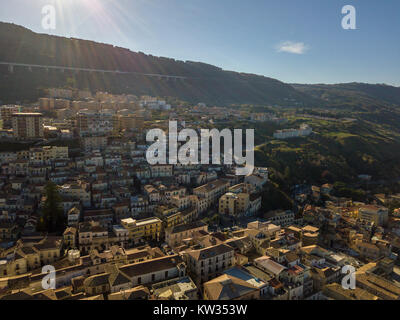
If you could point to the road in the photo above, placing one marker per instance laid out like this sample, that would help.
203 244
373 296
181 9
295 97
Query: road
11 65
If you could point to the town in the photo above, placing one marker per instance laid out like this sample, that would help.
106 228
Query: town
78 194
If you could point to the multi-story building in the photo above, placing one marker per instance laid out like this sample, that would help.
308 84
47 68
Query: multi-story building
76 191
175 235
94 123
161 170
70 238
143 229
212 191
94 143
47 153
27 125
208 262
92 236
181 202
234 204
303 131
46 103
127 122
281 218
6 113
377 214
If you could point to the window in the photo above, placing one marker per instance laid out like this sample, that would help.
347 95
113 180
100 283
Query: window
166 274
139 280
153 277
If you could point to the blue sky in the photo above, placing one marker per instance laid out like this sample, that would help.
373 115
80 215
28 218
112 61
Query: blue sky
296 41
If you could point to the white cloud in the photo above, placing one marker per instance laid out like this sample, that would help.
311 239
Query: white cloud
292 47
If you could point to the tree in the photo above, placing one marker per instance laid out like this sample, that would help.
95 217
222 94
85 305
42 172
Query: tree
52 219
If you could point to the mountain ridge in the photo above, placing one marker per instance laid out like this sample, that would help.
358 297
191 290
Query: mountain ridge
204 83
353 93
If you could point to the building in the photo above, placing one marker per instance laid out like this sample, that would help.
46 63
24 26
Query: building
234 204
94 122
175 235
106 283
228 287
208 262
161 170
6 113
304 131
258 179
269 266
281 218
377 286
94 143
175 289
336 292
212 191
76 191
377 214
27 125
92 236
47 153
137 293
47 103
146 228
127 122
70 237
155 270
8 230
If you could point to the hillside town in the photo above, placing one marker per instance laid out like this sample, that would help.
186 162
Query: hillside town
78 195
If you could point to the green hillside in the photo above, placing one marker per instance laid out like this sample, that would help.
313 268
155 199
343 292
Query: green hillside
205 83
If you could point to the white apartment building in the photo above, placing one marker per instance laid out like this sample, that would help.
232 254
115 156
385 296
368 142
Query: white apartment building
304 131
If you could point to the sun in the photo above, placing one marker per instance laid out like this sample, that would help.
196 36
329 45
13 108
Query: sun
104 16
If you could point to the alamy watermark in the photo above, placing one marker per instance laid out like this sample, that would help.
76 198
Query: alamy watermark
349 20
189 153
49 17
49 280
349 280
